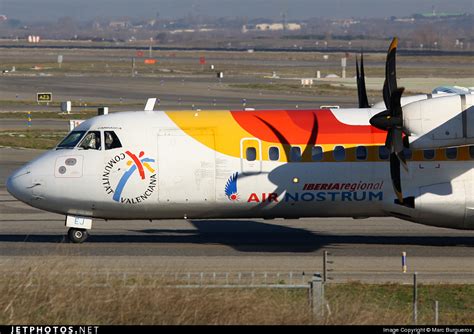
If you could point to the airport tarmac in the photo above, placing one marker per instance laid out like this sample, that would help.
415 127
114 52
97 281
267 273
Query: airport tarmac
173 92
368 250
21 124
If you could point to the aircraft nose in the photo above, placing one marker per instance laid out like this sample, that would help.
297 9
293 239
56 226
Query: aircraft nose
19 184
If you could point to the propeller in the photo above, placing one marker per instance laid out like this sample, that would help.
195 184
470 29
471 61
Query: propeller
391 120
361 90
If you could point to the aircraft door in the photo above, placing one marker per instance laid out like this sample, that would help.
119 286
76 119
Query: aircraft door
251 155
186 166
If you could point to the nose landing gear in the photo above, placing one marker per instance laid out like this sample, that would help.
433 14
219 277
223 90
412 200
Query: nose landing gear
77 235
78 228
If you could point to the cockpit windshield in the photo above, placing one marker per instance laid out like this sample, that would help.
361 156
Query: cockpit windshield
111 140
91 141
71 139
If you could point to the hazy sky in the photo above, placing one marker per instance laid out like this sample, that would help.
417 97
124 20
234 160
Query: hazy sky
295 9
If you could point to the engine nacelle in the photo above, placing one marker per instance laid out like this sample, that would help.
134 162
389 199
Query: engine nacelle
446 204
413 98
441 122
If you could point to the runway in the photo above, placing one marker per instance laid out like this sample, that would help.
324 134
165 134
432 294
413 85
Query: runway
367 250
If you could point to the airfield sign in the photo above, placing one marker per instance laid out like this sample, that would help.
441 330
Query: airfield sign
44 97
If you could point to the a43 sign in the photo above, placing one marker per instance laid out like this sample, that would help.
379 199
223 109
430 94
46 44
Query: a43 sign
44 97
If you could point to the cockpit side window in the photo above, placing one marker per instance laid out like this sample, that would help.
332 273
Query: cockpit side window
91 141
111 140
71 139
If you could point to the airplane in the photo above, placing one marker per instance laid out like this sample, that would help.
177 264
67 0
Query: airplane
413 162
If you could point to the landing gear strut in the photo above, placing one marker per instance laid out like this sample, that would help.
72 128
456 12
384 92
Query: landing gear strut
77 235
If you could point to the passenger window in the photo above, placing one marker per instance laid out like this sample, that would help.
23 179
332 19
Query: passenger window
361 153
274 153
91 141
471 152
384 153
317 153
452 153
251 154
428 154
408 153
111 140
295 153
71 140
339 153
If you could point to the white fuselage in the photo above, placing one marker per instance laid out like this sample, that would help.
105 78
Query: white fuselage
181 177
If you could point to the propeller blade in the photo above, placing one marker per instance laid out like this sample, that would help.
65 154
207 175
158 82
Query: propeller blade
395 176
395 106
390 83
397 140
386 94
390 67
357 71
401 157
396 113
361 89
365 100
389 140
358 83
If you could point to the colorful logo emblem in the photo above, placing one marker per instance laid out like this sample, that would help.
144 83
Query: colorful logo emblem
121 190
231 187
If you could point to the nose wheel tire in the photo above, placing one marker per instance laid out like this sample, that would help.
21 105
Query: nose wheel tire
77 235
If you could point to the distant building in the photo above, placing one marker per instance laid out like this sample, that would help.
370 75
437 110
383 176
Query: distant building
271 27
120 24
346 23
180 31
405 20
33 39
437 15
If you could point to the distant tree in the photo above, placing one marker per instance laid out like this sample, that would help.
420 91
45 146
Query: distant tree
161 37
425 34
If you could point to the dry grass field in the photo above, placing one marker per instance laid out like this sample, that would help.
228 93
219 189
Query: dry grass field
45 296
